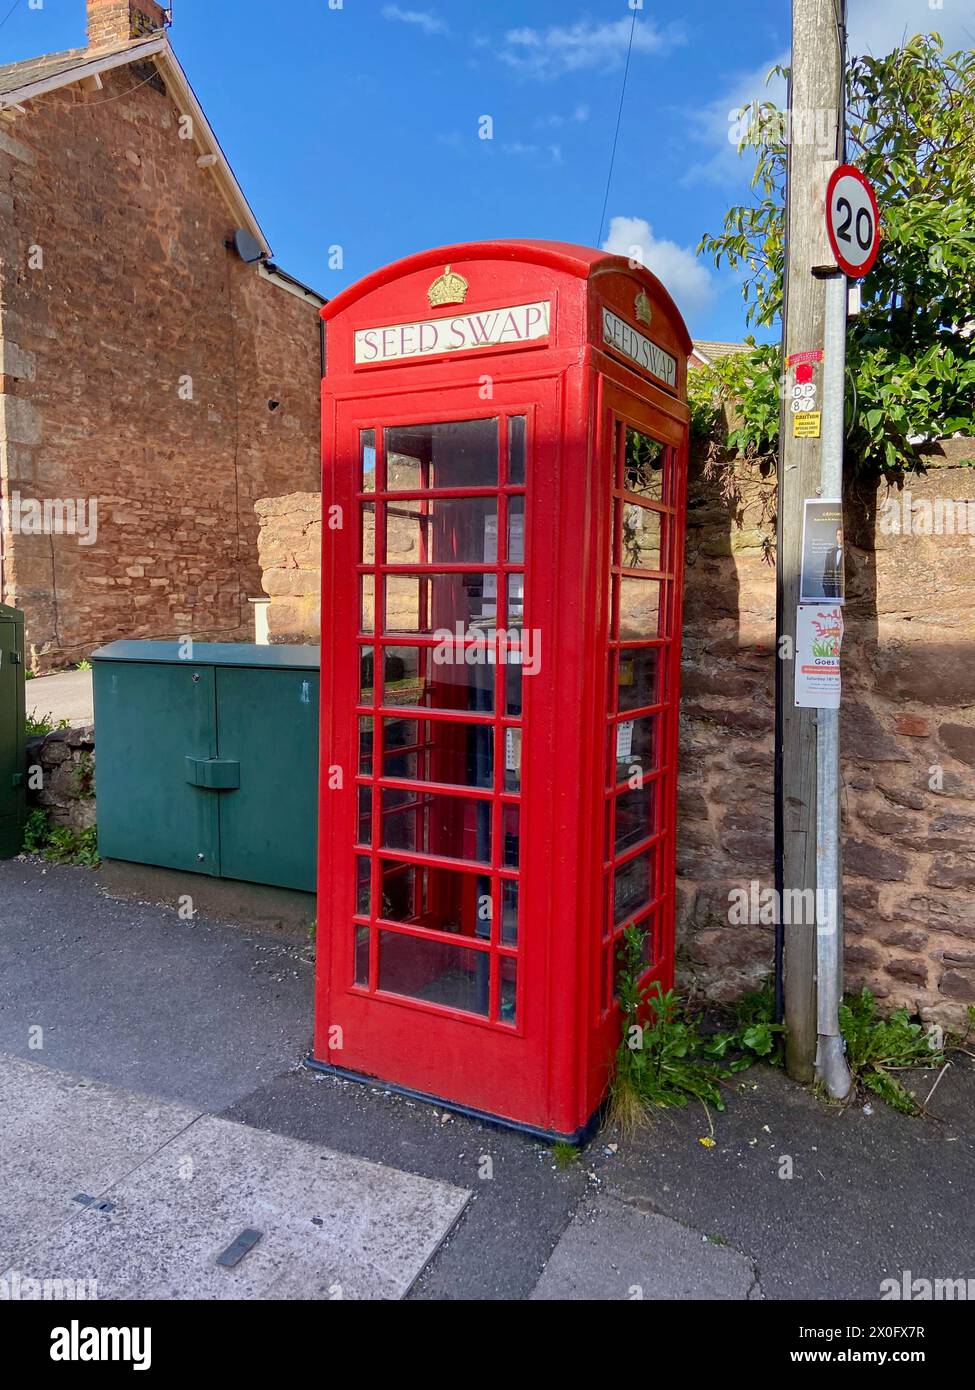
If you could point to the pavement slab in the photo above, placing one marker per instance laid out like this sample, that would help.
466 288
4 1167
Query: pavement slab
521 1200
612 1250
62 1137
176 1190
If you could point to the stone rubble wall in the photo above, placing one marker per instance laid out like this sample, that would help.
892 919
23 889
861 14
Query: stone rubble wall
289 550
66 759
907 730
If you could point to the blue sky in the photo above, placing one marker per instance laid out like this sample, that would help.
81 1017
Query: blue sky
358 125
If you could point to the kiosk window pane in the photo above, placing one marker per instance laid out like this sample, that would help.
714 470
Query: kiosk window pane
634 816
511 822
639 608
367 461
509 912
363 881
422 750
367 620
651 939
516 599
632 887
643 468
512 682
638 686
402 891
436 898
512 760
509 989
415 677
435 972
364 830
433 823
516 530
365 747
361 956
442 531
365 675
435 603
369 533
640 540
460 453
516 450
632 744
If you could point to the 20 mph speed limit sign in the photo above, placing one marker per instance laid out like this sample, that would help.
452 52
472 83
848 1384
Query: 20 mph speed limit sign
852 221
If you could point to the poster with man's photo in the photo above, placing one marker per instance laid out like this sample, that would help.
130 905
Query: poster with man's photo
823 553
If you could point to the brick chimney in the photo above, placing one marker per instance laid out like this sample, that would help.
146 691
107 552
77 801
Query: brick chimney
113 22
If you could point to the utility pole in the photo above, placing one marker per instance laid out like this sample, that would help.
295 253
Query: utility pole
807 747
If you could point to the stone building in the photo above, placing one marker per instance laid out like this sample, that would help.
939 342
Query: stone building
158 374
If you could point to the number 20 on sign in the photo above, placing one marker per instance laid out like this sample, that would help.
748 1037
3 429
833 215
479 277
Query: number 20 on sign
852 221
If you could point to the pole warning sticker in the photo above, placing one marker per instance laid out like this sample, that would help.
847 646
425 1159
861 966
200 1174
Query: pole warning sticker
807 425
819 638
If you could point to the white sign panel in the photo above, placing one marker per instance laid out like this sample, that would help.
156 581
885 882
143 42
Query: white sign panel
522 323
618 334
819 637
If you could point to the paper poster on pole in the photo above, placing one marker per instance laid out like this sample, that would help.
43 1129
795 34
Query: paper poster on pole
819 638
823 552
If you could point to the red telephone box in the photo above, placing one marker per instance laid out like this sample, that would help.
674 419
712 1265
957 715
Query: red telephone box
505 442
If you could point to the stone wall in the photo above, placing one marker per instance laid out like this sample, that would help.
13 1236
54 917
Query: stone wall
144 365
66 786
907 741
290 554
908 734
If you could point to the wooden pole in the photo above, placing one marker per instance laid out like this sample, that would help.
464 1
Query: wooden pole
815 110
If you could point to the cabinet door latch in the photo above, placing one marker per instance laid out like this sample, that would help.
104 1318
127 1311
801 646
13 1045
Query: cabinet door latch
216 774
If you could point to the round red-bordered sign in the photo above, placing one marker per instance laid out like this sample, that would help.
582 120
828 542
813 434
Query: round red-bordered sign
852 221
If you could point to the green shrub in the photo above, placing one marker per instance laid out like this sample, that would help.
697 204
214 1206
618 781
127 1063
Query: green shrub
876 1047
59 844
40 724
667 1060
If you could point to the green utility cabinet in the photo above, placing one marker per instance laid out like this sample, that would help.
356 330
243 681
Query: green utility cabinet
13 732
208 762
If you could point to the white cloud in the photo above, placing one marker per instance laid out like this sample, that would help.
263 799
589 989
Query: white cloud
519 147
877 26
578 116
560 49
712 124
689 281
423 19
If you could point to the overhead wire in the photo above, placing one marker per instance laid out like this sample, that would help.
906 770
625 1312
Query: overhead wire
616 137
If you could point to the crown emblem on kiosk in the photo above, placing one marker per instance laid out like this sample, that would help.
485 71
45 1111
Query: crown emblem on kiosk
642 308
448 288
